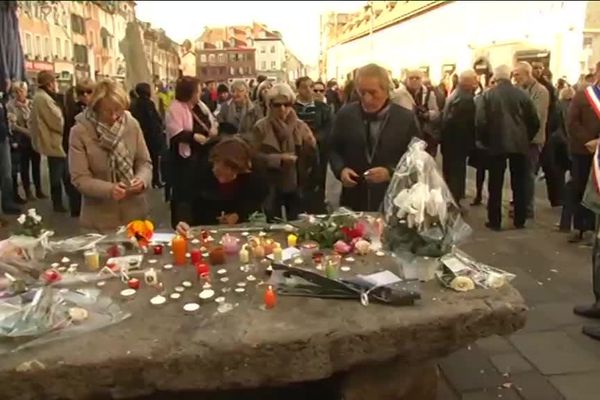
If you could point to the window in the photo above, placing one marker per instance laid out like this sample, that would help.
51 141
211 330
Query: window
68 49
263 66
80 54
248 70
272 49
231 71
29 44
38 45
47 48
58 48
77 24
92 41
273 64
263 49
221 58
241 70
211 58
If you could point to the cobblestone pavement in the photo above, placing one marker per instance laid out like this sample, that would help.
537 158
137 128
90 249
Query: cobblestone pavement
549 359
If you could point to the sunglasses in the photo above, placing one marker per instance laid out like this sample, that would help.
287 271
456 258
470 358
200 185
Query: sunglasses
277 105
84 92
319 90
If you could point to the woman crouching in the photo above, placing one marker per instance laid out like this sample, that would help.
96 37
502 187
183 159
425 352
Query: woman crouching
109 161
227 188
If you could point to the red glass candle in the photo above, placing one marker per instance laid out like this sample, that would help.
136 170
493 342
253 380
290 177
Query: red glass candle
51 276
196 256
134 283
202 269
270 298
158 249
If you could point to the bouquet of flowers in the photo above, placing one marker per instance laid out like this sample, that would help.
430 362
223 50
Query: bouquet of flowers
31 237
420 214
140 231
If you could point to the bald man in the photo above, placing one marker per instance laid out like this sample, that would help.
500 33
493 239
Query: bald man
458 133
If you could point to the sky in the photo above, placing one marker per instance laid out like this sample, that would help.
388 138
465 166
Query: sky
298 21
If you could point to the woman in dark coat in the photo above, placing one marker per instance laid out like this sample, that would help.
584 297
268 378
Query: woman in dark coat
227 189
144 110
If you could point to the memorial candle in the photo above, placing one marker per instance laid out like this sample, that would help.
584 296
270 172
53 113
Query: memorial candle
277 253
92 259
244 255
179 247
202 269
292 240
270 298
196 255
158 249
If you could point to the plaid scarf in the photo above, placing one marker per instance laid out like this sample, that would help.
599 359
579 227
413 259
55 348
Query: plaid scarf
119 159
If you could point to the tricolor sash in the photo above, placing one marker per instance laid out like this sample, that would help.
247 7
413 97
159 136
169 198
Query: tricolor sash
592 93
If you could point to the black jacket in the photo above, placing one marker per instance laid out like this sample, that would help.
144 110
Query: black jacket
458 124
4 125
209 201
317 117
507 120
146 114
349 150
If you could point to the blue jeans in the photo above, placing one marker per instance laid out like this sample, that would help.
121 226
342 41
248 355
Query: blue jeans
6 174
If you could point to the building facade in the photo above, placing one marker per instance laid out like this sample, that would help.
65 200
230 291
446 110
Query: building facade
271 57
36 39
225 62
187 57
294 68
162 54
437 37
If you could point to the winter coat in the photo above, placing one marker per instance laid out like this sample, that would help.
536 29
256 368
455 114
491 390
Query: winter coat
506 120
90 174
151 124
541 100
458 123
583 124
46 124
349 150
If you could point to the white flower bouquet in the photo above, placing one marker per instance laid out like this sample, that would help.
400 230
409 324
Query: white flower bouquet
31 237
420 214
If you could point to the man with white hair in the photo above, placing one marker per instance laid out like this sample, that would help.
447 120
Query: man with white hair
425 107
523 75
506 123
368 139
458 133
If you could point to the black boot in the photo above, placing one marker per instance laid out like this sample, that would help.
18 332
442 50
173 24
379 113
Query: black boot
40 194
592 331
588 311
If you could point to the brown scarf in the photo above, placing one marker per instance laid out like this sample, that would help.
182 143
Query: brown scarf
285 132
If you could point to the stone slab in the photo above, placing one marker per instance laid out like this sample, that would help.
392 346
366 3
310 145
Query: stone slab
300 340
511 363
554 353
495 345
470 370
534 386
578 386
503 394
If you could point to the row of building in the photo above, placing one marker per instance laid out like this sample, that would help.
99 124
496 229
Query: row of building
83 39
78 39
243 52
442 37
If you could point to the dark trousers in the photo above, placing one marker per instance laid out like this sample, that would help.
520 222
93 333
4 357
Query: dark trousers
596 262
568 208
57 172
291 202
479 180
580 171
31 161
518 164
72 193
155 157
554 173
6 182
454 167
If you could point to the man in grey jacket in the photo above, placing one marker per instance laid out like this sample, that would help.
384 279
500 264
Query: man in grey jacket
523 75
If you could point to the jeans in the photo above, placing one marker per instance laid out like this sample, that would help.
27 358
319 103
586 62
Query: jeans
518 181
6 183
57 171
533 162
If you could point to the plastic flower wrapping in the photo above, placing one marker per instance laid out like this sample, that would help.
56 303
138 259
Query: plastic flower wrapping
420 214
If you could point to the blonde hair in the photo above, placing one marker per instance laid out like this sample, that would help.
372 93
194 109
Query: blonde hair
19 85
84 84
111 90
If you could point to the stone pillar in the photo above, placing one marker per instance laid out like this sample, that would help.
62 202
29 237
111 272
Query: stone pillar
391 381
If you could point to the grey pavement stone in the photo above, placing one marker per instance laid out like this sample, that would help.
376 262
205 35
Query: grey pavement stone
538 321
511 363
469 370
495 394
534 386
495 345
554 353
445 392
590 345
561 313
578 386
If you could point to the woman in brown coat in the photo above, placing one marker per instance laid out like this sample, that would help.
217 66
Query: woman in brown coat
109 161
286 148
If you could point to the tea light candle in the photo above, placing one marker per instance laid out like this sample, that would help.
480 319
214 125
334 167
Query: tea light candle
292 240
158 249
244 255
51 276
92 259
196 255
308 249
270 298
179 246
158 300
150 277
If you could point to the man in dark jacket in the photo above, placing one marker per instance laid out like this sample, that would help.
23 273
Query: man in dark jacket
8 204
210 97
458 134
333 96
317 116
506 123
368 139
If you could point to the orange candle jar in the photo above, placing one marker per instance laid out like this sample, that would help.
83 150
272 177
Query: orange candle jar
179 247
270 298
217 256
